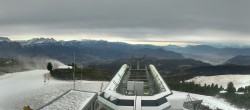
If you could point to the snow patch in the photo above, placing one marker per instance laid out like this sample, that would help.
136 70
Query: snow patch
74 100
178 98
238 80
65 67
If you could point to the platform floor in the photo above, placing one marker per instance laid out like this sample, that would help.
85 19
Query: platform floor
142 75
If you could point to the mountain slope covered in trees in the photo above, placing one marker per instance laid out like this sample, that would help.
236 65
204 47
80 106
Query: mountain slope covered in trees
239 60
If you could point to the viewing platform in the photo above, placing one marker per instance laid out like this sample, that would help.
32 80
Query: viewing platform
140 88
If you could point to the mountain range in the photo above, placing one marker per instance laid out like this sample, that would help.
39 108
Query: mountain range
170 60
209 54
166 67
85 50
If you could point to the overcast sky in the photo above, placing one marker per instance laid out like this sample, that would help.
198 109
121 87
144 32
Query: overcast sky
157 22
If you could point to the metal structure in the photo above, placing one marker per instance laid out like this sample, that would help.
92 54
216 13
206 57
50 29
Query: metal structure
192 103
136 87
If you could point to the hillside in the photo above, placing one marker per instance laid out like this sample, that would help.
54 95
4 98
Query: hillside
239 60
189 67
10 65
166 67
210 54
218 70
86 50
223 80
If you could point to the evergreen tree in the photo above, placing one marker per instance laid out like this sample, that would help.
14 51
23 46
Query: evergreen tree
208 86
49 66
205 85
221 88
216 86
73 65
247 89
212 86
230 88
241 89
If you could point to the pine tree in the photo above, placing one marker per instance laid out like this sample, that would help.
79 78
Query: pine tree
230 88
221 88
208 86
212 86
216 86
247 89
241 89
73 65
49 66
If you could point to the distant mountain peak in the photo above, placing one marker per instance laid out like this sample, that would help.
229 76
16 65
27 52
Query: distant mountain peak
43 40
199 46
40 41
4 39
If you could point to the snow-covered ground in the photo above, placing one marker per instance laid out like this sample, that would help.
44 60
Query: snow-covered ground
178 98
238 80
73 100
65 67
28 88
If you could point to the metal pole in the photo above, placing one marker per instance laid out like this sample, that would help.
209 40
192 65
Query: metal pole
81 73
74 72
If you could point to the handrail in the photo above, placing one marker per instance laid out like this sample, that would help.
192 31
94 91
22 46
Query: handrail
114 83
157 78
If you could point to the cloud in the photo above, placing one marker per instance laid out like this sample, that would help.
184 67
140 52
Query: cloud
128 19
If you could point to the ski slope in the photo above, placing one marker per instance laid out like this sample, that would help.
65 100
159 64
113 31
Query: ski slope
28 88
238 80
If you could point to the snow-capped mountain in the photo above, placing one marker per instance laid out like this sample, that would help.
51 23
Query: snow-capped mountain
38 41
9 45
87 50
4 39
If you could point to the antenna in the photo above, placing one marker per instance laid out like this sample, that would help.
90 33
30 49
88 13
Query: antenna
74 72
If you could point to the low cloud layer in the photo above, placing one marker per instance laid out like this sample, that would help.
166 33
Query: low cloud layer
196 21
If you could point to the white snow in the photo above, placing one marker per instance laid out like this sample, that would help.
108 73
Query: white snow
73 100
8 62
238 80
28 88
65 67
177 99
223 91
